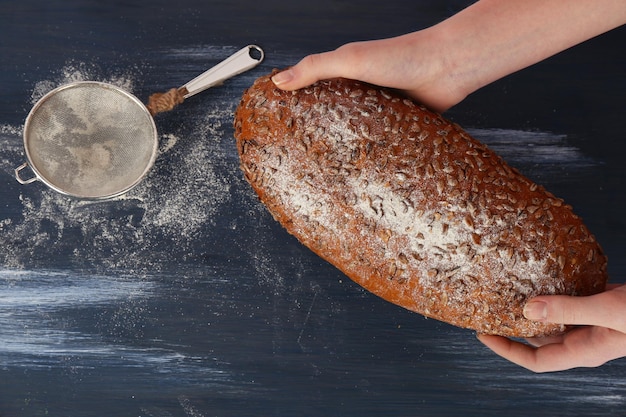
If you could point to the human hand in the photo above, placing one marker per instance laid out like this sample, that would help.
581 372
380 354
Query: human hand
440 65
601 338
411 63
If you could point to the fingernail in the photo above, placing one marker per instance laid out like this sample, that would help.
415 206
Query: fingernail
536 310
283 77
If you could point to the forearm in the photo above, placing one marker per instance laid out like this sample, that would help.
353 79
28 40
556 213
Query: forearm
494 38
441 65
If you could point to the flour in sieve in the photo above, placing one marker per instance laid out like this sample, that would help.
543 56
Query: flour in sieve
167 218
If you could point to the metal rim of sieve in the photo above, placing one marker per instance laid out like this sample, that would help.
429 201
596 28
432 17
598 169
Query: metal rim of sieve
90 140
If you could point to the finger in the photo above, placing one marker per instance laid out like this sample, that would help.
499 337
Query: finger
602 309
547 340
518 353
581 347
548 358
310 69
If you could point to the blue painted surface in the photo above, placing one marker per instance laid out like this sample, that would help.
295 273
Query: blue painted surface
185 298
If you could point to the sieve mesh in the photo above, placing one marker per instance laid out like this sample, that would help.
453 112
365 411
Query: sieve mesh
90 140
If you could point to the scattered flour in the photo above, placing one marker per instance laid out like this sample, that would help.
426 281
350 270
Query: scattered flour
6 130
80 71
167 217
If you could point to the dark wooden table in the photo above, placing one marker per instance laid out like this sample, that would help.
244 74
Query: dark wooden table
185 298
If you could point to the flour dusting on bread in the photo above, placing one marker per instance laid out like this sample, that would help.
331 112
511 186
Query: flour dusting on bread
411 207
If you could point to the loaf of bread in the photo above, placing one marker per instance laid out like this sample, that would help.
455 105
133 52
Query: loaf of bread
412 208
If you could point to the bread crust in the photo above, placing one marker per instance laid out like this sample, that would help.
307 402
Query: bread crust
411 207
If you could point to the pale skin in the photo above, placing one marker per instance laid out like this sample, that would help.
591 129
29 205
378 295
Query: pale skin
600 338
442 65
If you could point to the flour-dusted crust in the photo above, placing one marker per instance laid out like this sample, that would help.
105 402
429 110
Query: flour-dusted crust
411 207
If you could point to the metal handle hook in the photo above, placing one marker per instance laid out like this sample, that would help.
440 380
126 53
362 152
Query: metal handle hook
239 62
19 178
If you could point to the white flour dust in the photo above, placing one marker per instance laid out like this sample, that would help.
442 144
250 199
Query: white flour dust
166 218
80 71
196 189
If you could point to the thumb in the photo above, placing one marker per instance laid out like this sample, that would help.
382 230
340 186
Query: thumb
606 309
310 69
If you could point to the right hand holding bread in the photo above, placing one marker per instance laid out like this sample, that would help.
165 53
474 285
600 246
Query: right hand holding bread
601 338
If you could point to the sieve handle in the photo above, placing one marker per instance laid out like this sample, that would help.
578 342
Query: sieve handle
241 61
20 179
